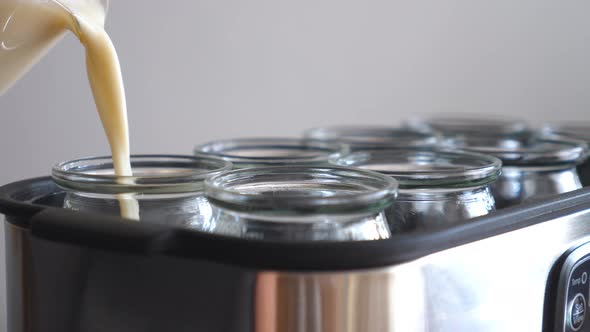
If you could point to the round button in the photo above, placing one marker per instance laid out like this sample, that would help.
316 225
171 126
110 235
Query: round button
577 312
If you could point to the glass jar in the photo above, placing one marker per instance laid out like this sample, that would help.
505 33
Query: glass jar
257 152
436 187
532 167
299 203
164 189
579 131
452 125
373 137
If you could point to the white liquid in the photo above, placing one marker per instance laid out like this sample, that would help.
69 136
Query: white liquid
30 28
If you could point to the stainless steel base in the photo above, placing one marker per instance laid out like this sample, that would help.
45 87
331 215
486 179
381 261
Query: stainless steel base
60 279
2 282
496 284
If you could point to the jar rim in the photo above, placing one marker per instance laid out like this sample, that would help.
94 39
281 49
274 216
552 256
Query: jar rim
455 123
428 168
531 152
576 131
301 190
258 151
169 174
373 136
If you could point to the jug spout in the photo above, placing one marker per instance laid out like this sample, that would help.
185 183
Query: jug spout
29 28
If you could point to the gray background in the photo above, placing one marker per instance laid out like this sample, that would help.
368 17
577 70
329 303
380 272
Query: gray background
200 70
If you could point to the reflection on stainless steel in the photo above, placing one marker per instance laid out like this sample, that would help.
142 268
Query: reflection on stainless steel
584 173
377 300
19 281
496 284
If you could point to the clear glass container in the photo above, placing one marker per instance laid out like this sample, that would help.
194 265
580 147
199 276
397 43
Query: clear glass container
164 189
532 168
373 137
257 152
572 131
577 131
436 187
299 203
452 125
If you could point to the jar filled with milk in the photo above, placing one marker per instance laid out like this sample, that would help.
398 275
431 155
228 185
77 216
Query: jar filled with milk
164 188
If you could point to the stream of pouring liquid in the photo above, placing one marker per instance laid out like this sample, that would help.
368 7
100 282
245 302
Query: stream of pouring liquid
24 43
104 74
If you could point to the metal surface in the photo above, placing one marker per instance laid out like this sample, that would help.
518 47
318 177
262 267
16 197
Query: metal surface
518 185
496 284
584 173
568 287
2 282
58 287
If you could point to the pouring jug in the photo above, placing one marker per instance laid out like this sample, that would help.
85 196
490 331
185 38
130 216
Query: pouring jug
29 28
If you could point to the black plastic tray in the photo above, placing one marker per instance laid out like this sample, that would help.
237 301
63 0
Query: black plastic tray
35 204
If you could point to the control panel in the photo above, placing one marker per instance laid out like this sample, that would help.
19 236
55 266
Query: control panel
573 292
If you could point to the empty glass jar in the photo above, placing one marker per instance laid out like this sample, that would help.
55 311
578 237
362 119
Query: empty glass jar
164 189
436 187
299 203
452 125
579 131
256 152
373 137
532 167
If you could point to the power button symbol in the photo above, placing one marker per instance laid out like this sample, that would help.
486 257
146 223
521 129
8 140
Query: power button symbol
577 312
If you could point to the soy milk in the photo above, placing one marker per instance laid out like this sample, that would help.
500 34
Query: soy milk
30 28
